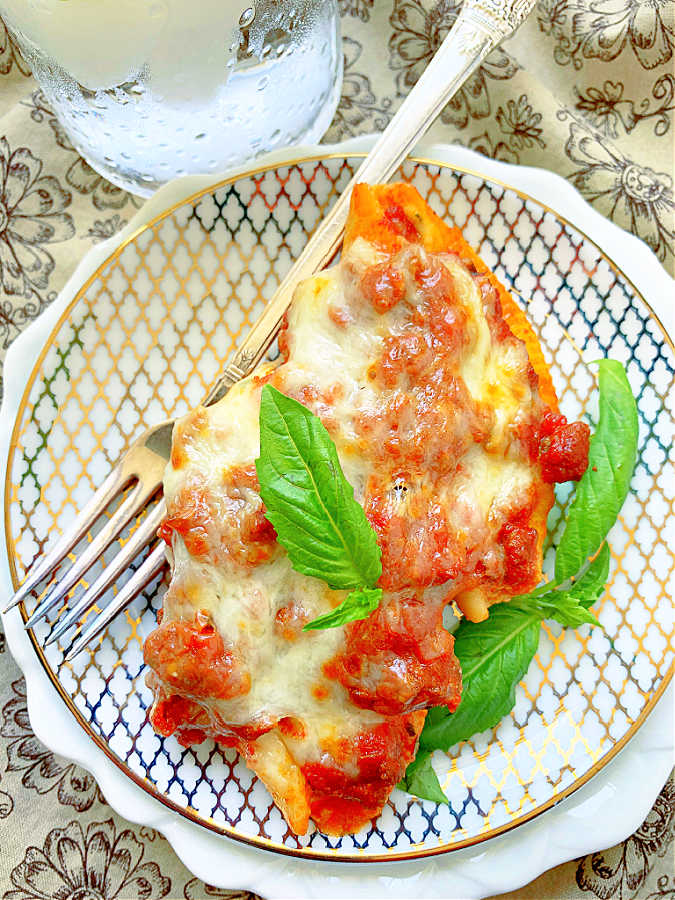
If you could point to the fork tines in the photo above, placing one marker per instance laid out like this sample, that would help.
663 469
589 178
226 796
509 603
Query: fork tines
140 471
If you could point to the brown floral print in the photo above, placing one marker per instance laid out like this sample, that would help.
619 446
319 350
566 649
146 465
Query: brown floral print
603 28
495 149
417 34
97 865
665 889
358 8
10 55
102 229
32 213
521 124
620 871
42 770
609 111
197 890
358 108
620 188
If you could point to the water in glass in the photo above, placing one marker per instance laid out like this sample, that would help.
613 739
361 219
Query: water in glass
151 89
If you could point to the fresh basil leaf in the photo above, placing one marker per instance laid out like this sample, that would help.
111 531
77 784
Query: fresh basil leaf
357 605
591 586
558 605
494 655
602 489
571 606
421 780
308 499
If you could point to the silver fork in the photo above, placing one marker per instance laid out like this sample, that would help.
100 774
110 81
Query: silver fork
480 27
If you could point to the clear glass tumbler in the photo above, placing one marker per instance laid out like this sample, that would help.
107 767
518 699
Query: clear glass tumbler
151 89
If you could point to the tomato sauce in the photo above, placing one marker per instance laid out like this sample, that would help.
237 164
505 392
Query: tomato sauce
191 658
231 525
383 285
351 783
396 220
520 557
189 516
169 713
399 659
563 448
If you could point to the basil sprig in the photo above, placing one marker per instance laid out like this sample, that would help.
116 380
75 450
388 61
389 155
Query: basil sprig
327 536
602 489
421 780
312 507
495 654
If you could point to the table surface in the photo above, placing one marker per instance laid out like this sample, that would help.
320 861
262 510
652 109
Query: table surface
585 89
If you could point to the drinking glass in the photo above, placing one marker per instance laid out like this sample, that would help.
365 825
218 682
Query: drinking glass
151 89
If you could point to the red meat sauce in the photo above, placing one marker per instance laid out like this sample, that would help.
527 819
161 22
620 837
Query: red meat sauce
191 665
399 659
426 422
425 431
230 523
562 448
419 546
426 419
188 721
351 782
190 657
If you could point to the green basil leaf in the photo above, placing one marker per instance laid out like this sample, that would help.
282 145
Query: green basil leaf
421 780
309 501
602 489
591 586
357 605
494 655
563 608
571 606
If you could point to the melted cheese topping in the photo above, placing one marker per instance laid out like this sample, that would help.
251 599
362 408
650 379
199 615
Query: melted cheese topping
438 473
243 607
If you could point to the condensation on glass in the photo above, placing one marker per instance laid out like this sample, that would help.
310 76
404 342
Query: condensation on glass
148 90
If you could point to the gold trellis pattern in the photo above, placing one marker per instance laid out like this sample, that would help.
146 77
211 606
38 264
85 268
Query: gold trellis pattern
145 338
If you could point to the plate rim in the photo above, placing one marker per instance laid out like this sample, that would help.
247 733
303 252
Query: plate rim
155 211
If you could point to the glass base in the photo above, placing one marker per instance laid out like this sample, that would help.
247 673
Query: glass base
144 185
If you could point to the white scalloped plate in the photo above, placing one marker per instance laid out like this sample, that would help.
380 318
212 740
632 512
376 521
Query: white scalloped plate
601 811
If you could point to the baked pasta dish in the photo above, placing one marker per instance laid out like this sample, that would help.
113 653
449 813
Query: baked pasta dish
432 385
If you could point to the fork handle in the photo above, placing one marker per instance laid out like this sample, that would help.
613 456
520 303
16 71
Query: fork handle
480 26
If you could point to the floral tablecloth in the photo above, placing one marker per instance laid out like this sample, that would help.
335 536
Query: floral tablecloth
586 89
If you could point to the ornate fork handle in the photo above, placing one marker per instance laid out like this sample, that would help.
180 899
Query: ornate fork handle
480 26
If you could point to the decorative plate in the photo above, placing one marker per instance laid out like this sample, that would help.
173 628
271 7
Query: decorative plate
142 330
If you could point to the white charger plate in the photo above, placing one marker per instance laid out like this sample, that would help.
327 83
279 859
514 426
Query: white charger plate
194 843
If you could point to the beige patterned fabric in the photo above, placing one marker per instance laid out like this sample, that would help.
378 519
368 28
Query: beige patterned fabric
585 89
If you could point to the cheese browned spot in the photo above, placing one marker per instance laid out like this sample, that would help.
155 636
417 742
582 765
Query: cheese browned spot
404 353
